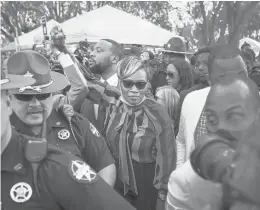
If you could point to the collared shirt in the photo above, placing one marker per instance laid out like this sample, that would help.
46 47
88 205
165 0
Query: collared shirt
84 140
113 80
58 185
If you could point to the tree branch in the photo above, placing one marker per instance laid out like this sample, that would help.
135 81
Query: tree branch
205 23
8 21
7 35
214 18
243 16
188 11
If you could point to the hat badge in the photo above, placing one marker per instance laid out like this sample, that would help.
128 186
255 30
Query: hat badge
28 74
169 45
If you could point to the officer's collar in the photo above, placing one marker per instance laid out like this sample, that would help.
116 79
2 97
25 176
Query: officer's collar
13 159
54 120
57 120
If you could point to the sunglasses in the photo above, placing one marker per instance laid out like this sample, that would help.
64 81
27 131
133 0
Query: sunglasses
129 84
169 74
24 97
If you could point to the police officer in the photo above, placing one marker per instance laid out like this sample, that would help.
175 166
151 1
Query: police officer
76 135
62 180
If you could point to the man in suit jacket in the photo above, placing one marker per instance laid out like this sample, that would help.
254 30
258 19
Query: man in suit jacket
105 56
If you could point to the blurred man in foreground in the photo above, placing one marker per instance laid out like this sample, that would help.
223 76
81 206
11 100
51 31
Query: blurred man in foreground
229 153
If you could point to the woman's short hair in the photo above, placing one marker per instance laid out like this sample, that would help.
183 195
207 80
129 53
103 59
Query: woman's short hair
128 66
185 73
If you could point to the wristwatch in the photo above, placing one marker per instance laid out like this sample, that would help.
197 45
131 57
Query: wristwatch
162 195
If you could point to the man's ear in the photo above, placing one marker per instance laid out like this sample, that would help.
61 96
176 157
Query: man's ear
114 59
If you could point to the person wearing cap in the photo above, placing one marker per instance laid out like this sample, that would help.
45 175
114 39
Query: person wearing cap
62 181
75 134
223 61
174 49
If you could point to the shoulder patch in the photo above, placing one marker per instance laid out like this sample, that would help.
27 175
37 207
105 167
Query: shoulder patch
82 173
94 130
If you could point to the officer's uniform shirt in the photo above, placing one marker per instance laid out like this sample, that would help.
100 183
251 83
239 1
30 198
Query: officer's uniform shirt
89 144
65 182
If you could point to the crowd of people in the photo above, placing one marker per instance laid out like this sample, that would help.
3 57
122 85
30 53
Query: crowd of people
114 127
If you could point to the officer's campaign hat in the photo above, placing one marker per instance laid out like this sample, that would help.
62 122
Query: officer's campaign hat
34 65
11 81
175 45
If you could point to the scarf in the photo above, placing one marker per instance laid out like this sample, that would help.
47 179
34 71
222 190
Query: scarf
127 122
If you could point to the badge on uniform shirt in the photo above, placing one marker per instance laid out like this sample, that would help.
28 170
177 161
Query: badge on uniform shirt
63 134
94 130
81 172
21 192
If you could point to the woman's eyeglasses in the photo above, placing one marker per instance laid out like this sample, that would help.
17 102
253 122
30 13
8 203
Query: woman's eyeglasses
129 84
29 97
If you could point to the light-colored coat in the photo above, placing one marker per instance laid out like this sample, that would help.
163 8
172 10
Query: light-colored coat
191 110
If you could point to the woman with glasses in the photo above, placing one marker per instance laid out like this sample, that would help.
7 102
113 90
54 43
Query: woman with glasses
141 137
179 75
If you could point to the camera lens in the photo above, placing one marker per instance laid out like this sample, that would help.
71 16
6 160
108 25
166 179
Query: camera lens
212 159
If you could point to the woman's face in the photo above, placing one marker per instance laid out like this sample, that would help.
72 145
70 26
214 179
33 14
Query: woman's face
134 87
173 77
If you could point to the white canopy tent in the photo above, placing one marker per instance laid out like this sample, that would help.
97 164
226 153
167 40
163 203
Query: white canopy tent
108 22
105 22
255 45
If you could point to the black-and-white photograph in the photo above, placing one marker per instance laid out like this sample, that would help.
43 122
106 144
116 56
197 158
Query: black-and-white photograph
130 105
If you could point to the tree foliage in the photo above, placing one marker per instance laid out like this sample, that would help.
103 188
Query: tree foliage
219 22
25 15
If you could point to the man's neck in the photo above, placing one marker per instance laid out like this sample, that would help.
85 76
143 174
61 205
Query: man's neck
36 129
109 72
5 138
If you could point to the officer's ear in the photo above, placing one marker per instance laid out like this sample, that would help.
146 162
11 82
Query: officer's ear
7 97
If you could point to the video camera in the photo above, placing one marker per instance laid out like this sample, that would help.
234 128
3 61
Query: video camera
237 169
